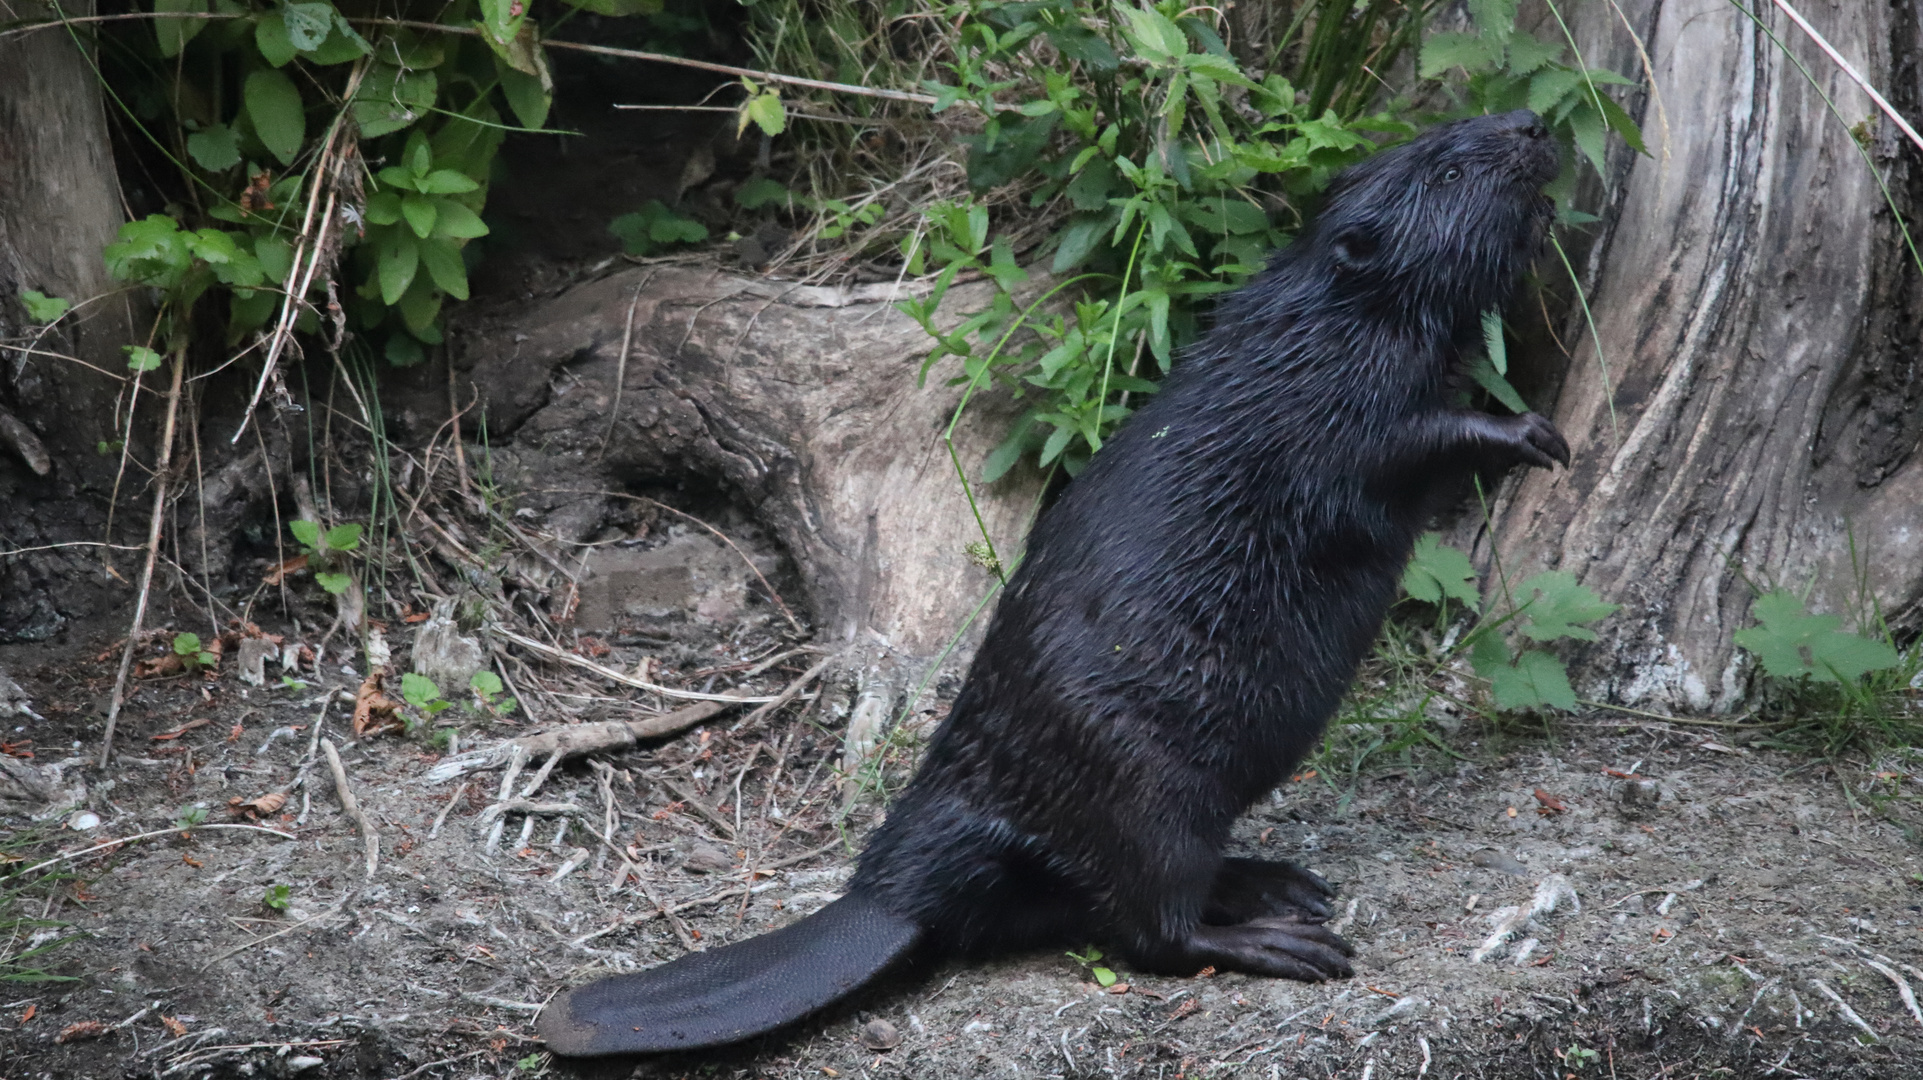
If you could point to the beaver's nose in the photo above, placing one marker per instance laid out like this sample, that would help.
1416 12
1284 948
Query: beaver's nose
1526 124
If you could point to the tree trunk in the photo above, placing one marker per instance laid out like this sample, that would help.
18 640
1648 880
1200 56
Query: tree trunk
59 206
799 402
1757 312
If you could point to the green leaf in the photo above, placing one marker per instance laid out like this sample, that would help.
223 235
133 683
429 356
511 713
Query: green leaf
334 583
307 24
403 351
276 45
762 191
1791 643
186 645
1622 124
214 148
618 8
392 98
1547 88
1492 340
446 182
420 214
458 222
765 111
1079 241
141 358
419 307
1467 51
42 308
485 683
1586 124
384 208
443 262
1536 680
344 537
274 106
341 46
307 532
1559 606
419 690
525 95
1485 375
174 34
1436 570
152 251
1495 17
399 257
1527 54
276 258
1103 976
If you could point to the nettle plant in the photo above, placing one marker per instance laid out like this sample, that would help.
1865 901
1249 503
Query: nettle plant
1171 171
294 133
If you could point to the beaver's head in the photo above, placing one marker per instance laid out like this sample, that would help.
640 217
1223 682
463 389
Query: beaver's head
1441 226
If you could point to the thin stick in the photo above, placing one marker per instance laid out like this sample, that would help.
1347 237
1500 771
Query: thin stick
1850 70
788 694
84 852
441 818
616 676
351 806
621 366
245 945
153 553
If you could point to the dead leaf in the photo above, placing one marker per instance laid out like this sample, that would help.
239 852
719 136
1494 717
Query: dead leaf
290 566
29 1014
1621 775
259 806
85 1029
17 749
159 667
183 729
1550 804
374 712
191 861
174 1026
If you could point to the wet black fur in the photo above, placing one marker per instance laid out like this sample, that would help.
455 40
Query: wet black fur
1189 613
1192 608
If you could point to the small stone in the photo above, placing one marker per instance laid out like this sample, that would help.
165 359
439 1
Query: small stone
879 1035
83 821
1500 862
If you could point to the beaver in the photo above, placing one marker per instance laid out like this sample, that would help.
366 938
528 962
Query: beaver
1188 615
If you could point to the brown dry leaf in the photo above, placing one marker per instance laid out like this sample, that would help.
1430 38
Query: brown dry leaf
191 861
1550 804
174 1027
183 729
279 573
374 712
259 806
29 1014
159 667
85 1029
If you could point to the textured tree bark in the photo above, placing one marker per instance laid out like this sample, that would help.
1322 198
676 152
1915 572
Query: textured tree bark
59 206
1757 313
800 402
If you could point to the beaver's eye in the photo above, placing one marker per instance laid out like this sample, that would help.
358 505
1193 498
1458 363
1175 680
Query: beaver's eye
1449 175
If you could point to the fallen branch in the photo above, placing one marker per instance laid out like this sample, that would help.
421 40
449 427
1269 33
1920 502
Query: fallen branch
161 464
97 848
245 945
788 694
351 806
575 741
609 673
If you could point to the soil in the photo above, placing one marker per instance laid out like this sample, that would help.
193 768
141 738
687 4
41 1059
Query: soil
1718 910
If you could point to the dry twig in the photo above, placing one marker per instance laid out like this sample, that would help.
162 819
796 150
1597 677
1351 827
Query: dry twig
351 806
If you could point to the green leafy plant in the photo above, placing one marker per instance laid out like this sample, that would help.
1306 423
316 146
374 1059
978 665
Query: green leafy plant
421 692
190 818
192 656
288 682
1790 643
488 690
654 228
277 897
324 551
1090 958
1172 172
42 308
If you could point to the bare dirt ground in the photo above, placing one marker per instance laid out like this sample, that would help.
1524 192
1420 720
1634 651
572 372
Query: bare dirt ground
1612 900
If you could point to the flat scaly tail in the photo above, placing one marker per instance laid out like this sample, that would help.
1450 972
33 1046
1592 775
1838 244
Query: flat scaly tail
733 993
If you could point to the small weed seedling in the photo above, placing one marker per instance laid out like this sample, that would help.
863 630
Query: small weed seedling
192 656
190 817
1090 958
288 682
420 692
277 897
488 689
322 548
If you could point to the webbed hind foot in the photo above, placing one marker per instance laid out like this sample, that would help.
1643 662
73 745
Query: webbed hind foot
1247 889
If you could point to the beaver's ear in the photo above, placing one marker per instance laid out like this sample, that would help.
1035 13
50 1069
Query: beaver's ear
1355 247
